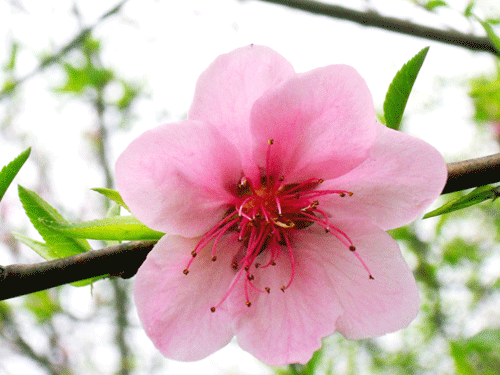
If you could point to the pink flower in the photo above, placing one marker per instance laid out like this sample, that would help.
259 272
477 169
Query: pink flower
275 193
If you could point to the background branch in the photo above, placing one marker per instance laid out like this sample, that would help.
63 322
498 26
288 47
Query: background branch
75 42
370 18
125 259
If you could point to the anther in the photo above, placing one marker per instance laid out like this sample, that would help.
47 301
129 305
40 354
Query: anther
214 258
267 289
371 277
235 265
250 277
350 193
352 248
273 263
185 272
248 303
270 142
257 265
281 179
193 253
247 268
283 289
320 181
342 195
212 309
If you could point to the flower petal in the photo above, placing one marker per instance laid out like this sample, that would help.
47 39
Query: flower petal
226 91
175 308
401 178
371 307
322 122
178 178
286 327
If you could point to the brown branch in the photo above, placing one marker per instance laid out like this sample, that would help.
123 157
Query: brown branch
371 18
121 260
472 173
124 260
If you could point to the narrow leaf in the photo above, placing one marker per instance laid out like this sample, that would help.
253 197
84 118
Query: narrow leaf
476 196
8 172
37 209
112 195
40 248
491 34
119 228
400 89
433 4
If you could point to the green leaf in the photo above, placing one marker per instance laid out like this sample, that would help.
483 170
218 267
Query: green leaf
40 248
112 195
37 209
491 34
433 4
476 196
400 88
479 354
11 64
42 305
8 172
119 228
468 9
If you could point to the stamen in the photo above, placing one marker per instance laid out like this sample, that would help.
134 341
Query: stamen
363 263
292 260
265 213
268 161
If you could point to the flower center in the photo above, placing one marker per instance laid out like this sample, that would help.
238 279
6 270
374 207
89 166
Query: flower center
265 215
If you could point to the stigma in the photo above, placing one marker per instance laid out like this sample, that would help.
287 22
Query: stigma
265 214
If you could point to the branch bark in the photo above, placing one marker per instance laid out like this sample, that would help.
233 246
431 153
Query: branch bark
125 259
370 18
472 173
122 260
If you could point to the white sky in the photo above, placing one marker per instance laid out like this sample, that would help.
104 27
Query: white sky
165 45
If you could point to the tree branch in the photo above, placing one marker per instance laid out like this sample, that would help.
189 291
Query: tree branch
125 259
75 42
371 18
121 260
472 173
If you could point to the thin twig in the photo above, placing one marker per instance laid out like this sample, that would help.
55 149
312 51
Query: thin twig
121 260
371 18
75 42
472 173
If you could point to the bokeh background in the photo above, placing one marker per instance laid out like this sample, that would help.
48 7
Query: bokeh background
79 83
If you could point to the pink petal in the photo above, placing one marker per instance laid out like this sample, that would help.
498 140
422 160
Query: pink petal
375 307
226 91
177 178
175 308
322 122
286 327
400 179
